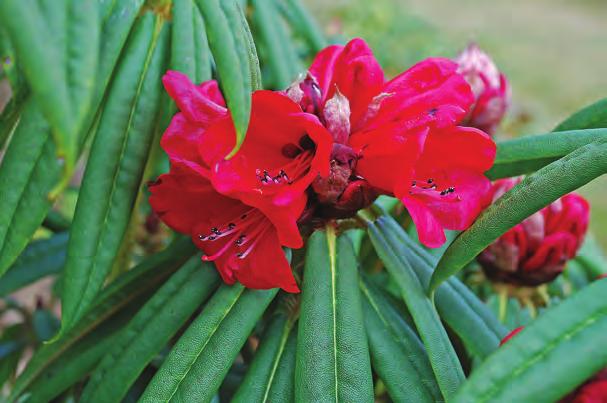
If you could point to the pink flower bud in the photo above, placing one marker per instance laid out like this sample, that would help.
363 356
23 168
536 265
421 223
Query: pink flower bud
491 90
536 250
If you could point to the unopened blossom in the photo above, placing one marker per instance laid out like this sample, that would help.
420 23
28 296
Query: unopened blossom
242 211
594 390
399 137
492 92
536 250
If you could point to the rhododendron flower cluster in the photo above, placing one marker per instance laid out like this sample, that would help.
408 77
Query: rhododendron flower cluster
322 149
492 92
536 250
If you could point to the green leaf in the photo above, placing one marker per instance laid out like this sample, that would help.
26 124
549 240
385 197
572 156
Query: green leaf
202 53
550 357
304 24
530 153
591 117
183 44
397 354
150 330
11 348
45 324
75 363
114 298
275 43
271 375
592 258
251 52
29 170
56 222
42 62
532 194
41 258
27 206
332 354
228 46
459 307
201 358
445 364
115 168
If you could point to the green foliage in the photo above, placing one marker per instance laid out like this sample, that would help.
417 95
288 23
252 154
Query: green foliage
332 354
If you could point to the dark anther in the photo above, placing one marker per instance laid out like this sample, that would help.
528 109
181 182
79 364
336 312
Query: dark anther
212 238
451 189
290 150
430 181
306 143
215 231
231 226
444 192
239 255
202 237
413 184
242 217
432 111
240 240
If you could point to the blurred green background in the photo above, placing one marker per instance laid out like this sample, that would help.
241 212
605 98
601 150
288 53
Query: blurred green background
554 53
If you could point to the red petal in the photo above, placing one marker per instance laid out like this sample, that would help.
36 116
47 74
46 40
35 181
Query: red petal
458 210
387 159
431 92
354 71
201 104
186 201
458 147
429 229
181 138
552 252
266 267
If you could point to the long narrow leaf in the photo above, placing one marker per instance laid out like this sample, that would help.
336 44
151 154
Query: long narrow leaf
273 358
591 117
41 258
397 353
150 330
199 361
228 47
530 153
459 307
115 169
550 357
332 354
118 295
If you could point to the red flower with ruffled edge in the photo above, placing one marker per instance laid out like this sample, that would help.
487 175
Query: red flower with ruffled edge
241 211
404 133
536 250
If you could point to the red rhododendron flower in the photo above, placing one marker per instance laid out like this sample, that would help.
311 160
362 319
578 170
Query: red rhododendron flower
239 212
399 137
593 390
536 250
492 92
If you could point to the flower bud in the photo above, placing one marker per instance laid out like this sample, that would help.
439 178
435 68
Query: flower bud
336 115
536 250
491 90
306 92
